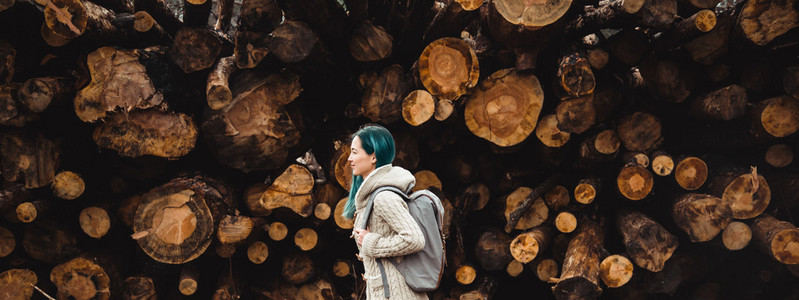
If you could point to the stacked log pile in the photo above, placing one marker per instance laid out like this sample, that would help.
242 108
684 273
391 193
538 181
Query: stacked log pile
614 149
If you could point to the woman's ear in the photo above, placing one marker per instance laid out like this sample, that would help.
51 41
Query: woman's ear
374 158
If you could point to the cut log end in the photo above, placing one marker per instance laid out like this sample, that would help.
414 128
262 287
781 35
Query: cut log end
7 242
81 278
691 173
557 198
68 185
426 179
634 182
615 270
779 155
639 131
662 164
780 116
306 239
586 191
370 43
322 211
444 109
549 134
565 222
26 212
418 107
536 213
531 14
94 221
143 21
547 269
607 142
278 231
448 68
465 274
514 268
701 216
257 252
785 246
234 229
342 269
747 197
342 222
736 236
705 20
17 284
524 248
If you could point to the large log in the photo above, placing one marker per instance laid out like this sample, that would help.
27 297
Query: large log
531 15
370 43
448 68
293 42
514 215
7 242
252 134
81 278
646 241
579 278
701 216
148 132
31 158
779 239
382 98
292 190
747 192
17 284
48 242
761 22
504 109
70 19
175 222
640 131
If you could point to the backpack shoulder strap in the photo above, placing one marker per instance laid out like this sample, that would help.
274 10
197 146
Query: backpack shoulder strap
367 211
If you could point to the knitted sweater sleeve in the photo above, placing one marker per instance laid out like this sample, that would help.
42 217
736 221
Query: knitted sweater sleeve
406 236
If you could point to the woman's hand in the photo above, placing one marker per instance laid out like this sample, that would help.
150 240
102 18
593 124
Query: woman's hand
359 235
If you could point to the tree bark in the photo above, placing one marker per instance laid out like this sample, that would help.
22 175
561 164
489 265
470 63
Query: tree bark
160 11
725 104
776 238
370 42
217 91
514 215
148 29
646 241
30 157
492 250
579 278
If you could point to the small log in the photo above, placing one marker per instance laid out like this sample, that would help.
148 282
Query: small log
709 47
382 98
81 278
7 242
48 242
163 15
426 179
505 107
687 29
547 269
725 104
701 216
557 198
278 231
293 42
576 115
615 270
790 81
514 268
418 107
691 173
521 209
762 22
342 268
526 246
565 222
736 236
370 42
598 58
293 190
139 288
8 55
113 74
196 12
31 158
217 91
635 182
68 185
646 241
634 157
586 190
779 155
601 147
492 250
482 195
776 117
69 19
257 252
189 279
448 68
575 77
319 289
250 48
148 132
549 133
175 222
148 29
322 211
639 131
662 163
235 229
36 94
94 221
536 214
579 278
28 211
777 238
306 239
465 274
339 165
748 197
195 49
260 15
253 134
297 268
341 222
224 14
17 284
444 109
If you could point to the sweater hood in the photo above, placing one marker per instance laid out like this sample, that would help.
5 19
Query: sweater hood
387 175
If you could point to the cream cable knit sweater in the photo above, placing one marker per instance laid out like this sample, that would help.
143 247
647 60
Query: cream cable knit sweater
392 232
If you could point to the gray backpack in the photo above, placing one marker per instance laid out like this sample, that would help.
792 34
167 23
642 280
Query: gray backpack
422 270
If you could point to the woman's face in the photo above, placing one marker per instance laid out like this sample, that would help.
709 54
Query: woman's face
361 163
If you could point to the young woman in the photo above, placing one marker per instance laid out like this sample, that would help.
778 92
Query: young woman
391 231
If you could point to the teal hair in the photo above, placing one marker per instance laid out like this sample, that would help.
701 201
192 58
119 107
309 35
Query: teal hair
374 139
